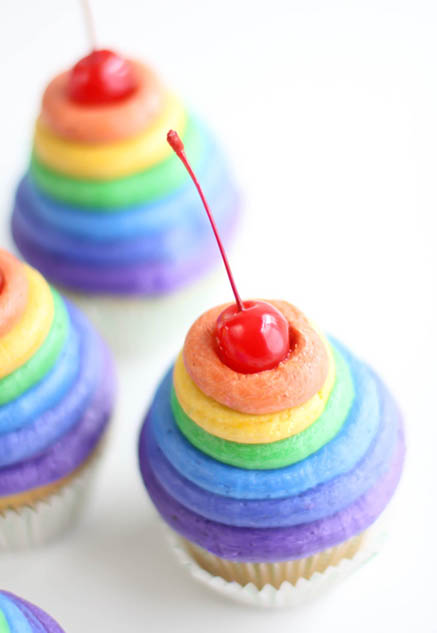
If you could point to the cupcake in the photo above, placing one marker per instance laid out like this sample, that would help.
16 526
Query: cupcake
56 397
103 209
19 616
271 451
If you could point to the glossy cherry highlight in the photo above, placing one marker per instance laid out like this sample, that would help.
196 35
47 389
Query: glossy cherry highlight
252 336
102 77
253 339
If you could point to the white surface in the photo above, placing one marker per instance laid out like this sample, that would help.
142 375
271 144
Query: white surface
328 110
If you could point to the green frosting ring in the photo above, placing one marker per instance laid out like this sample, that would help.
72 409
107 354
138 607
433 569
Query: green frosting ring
284 452
23 378
109 196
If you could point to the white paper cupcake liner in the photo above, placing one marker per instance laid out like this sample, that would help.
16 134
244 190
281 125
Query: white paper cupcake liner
131 325
242 579
48 519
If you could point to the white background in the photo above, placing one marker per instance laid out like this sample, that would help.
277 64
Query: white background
328 111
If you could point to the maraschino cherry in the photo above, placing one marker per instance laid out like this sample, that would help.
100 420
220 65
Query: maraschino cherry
252 336
102 77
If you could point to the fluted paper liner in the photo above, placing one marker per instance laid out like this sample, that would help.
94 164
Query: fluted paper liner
284 584
48 519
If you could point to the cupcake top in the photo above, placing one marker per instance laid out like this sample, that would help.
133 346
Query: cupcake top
104 206
56 386
19 616
272 465
103 122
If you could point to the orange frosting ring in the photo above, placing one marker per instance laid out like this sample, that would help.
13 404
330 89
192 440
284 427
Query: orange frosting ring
290 384
102 124
13 291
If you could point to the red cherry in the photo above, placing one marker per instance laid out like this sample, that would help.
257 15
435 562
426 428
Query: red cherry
101 77
254 339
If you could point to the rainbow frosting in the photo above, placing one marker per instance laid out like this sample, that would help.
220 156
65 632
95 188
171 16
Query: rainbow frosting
19 616
105 206
274 466
56 387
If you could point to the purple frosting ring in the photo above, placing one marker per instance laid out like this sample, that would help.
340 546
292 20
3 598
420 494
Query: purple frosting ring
273 544
72 449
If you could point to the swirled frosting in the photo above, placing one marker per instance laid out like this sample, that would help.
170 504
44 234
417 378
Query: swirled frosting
252 487
19 616
56 387
106 206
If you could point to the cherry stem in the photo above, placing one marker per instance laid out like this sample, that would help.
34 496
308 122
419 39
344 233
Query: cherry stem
89 24
178 147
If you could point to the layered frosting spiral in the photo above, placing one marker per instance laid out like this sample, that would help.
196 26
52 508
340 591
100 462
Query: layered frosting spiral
239 466
56 387
105 205
19 616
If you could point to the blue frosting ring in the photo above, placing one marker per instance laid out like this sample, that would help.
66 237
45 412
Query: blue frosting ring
338 456
35 624
273 544
46 393
181 238
43 623
314 504
130 222
17 621
34 438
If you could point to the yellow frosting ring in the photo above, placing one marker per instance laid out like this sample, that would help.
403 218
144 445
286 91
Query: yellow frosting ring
113 160
22 341
245 428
